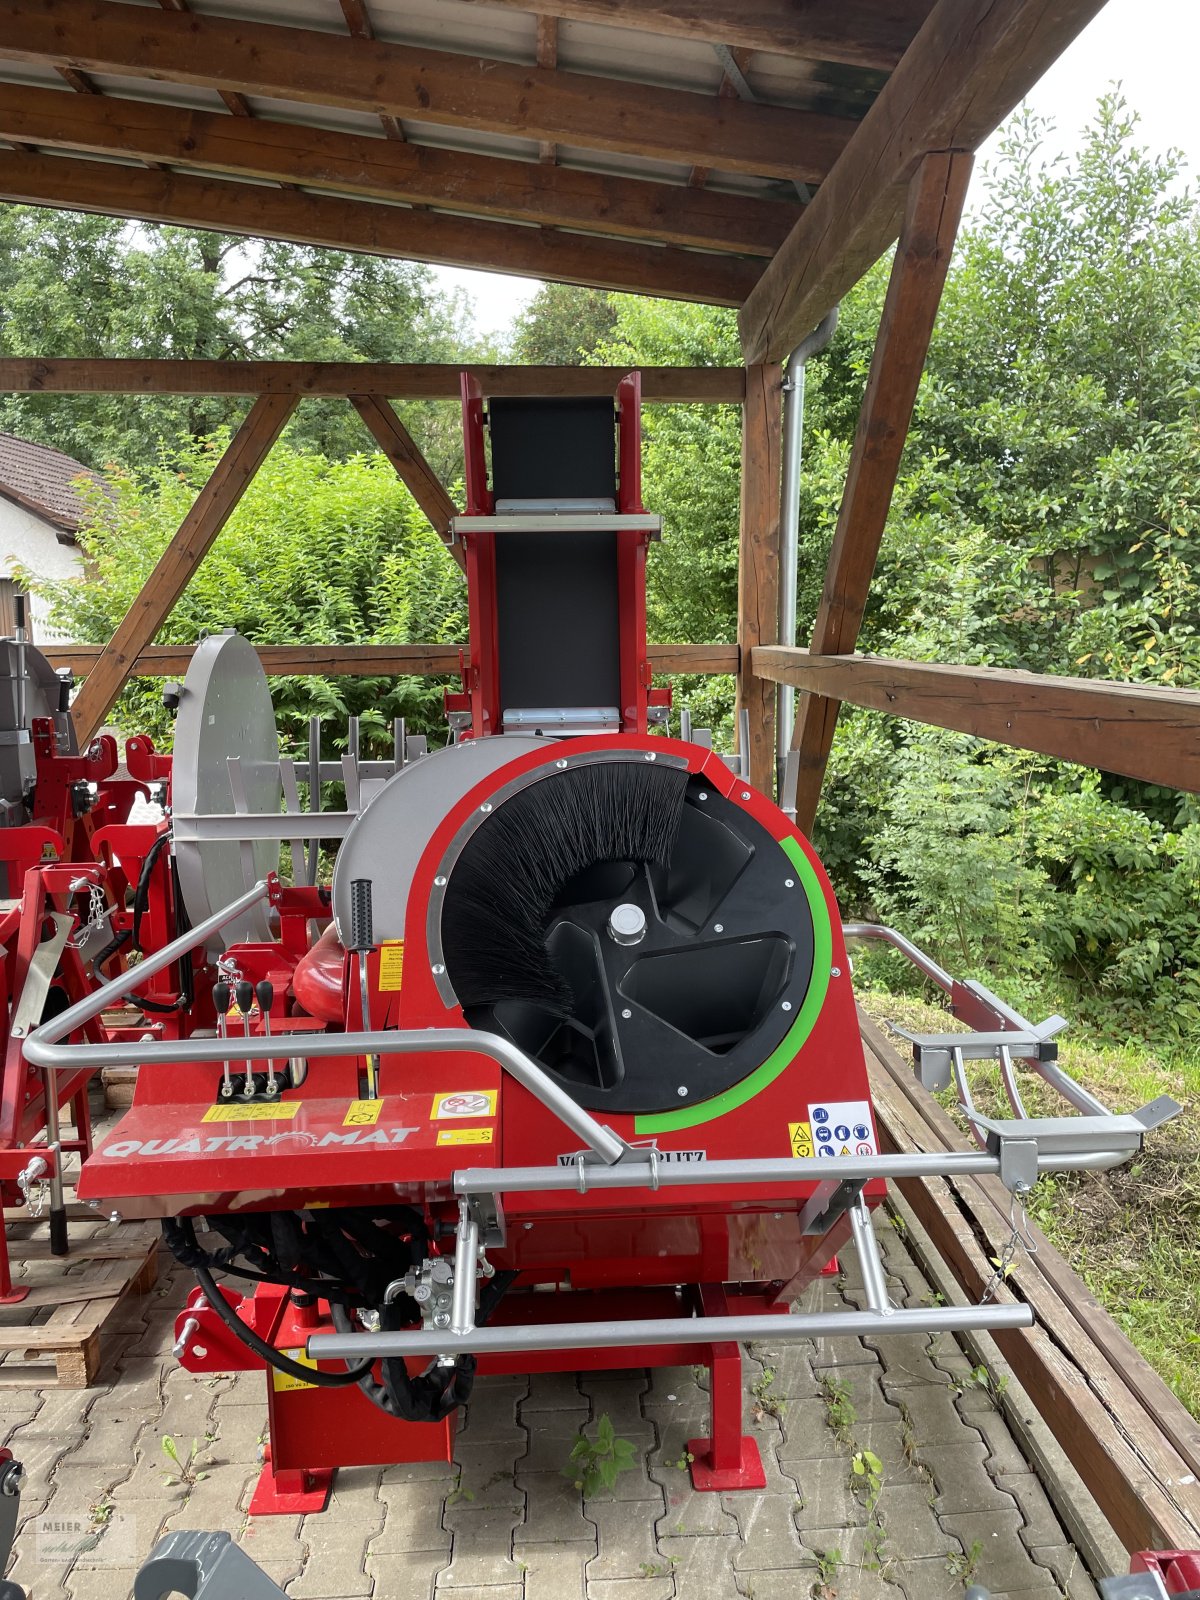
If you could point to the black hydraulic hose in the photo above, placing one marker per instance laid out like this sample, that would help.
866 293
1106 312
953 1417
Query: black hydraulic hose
141 901
267 1352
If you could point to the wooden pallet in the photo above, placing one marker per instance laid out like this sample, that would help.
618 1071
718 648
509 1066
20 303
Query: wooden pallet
62 1351
1131 1440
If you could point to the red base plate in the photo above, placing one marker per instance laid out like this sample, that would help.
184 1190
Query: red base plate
291 1493
13 1297
748 1474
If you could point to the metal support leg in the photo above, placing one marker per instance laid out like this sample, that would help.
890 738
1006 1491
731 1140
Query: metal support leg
10 1294
292 1491
727 1459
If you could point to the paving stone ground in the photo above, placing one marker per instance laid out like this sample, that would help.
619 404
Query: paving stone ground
954 1502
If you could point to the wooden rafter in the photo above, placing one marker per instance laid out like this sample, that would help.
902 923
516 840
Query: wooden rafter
358 21
758 562
399 446
1136 729
860 33
375 229
398 380
173 570
368 660
547 56
374 169
909 310
235 103
971 63
435 85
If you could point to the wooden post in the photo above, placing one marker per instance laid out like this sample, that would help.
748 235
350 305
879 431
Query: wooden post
935 201
399 446
758 562
247 450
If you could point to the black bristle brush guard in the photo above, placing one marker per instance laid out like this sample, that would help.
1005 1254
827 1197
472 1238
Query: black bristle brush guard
698 1004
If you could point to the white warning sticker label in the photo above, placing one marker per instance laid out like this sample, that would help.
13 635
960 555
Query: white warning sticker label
843 1128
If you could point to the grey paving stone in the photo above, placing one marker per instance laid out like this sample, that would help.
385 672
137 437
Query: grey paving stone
887 1440
847 1583
670 1386
554 1391
906 1360
412 1519
270 1538
329 1571
553 1512
1042 1526
826 1499
841 1351
405 1574
767 1529
482 1544
962 1481
703 1567
1066 1567
420 1472
640 1588
487 1467
503 1591
912 1528
931 1415
1004 1565
1004 1453
491 1412
930 1579
555 1572
626 1541
552 1438
807 1434
792 1362
685 1511
620 1399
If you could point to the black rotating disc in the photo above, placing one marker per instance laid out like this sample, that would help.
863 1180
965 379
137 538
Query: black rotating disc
721 936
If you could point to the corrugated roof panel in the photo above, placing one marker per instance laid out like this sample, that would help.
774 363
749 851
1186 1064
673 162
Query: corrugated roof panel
641 57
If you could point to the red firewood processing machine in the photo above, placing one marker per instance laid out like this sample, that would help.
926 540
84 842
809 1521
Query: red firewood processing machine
562 1069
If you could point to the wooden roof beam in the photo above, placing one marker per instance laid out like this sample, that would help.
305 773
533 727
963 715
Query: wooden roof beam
396 380
857 33
968 67
385 170
436 86
358 21
381 230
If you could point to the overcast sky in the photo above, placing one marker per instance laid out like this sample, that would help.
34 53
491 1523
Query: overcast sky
1152 47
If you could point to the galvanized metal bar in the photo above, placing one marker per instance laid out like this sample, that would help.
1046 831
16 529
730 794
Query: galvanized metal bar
466 1252
867 1245
314 795
923 962
520 1338
240 825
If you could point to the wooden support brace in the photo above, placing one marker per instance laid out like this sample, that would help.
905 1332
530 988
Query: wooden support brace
935 202
173 570
758 562
399 446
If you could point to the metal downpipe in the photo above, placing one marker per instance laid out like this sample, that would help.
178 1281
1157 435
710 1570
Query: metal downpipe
789 550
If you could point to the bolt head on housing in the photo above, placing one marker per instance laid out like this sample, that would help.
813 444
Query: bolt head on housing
627 924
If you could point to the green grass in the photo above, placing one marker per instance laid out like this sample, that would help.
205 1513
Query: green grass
1132 1234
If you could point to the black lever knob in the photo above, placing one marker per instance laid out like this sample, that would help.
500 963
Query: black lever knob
264 993
222 994
245 996
361 919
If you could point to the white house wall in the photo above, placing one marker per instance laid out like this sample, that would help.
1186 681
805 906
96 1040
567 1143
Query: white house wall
28 542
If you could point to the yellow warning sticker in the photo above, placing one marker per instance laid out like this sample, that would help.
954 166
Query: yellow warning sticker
282 1382
391 965
361 1113
279 1111
463 1103
466 1135
800 1137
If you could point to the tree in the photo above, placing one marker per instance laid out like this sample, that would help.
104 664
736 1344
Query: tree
317 552
76 285
562 325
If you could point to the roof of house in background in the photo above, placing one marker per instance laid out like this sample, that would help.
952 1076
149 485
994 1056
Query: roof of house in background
43 481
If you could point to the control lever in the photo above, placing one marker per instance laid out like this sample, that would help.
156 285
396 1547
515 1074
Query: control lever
362 940
222 996
244 990
264 993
